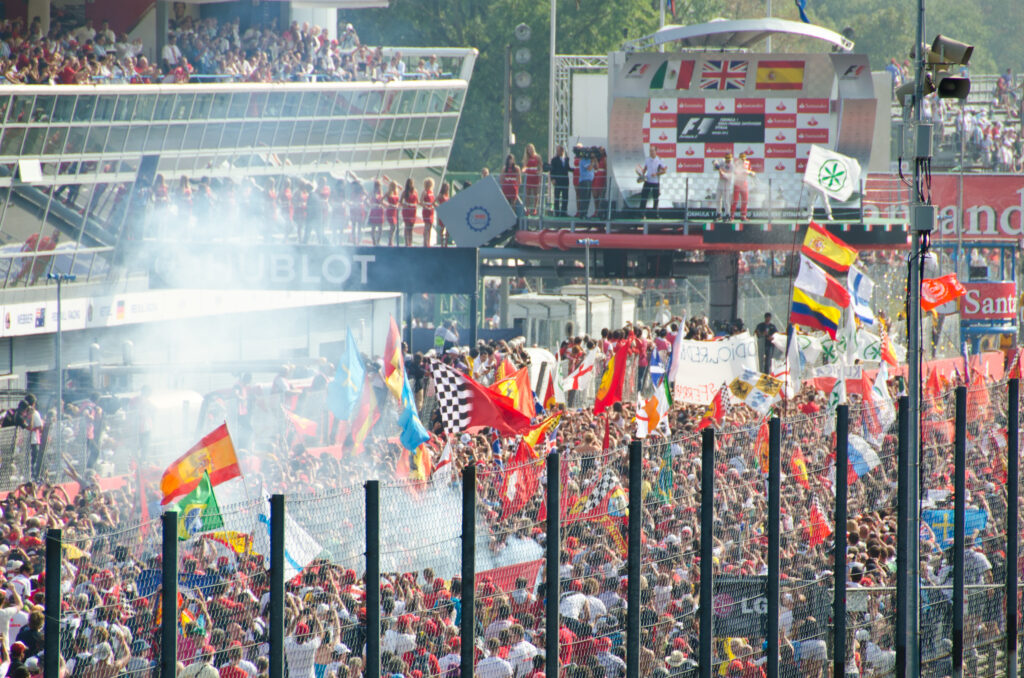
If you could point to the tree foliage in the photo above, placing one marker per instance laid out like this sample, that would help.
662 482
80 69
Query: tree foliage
882 29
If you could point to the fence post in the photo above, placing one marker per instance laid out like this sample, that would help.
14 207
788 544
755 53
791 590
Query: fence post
707 508
634 555
1012 527
277 606
903 523
839 576
468 570
553 588
51 629
169 604
373 579
774 513
959 515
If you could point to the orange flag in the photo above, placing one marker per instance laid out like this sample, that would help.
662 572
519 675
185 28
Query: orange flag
214 453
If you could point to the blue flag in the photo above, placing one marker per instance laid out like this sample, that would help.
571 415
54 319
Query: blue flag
802 6
941 522
413 433
343 392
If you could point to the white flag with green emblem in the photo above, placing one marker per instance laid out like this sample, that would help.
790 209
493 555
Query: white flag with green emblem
834 174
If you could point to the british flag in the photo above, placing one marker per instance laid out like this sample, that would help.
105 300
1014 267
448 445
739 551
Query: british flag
723 75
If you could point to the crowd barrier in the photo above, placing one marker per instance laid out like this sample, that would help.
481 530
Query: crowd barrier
430 553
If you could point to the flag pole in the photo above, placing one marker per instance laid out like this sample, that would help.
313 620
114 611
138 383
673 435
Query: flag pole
245 485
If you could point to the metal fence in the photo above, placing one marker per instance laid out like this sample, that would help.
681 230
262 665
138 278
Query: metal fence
406 540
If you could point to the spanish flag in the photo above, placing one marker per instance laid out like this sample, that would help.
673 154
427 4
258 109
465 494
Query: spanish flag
609 391
780 75
541 431
364 416
818 315
214 454
826 249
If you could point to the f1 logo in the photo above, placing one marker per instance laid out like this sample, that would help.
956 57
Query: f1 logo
699 125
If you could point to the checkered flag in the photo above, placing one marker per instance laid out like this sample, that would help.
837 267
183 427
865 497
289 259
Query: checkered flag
595 496
454 397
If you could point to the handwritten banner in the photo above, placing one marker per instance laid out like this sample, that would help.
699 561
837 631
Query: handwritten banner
707 365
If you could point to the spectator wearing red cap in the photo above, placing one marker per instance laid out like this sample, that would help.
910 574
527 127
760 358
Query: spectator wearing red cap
613 665
302 639
17 654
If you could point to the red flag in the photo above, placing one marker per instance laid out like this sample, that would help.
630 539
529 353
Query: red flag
978 401
713 415
304 427
938 291
520 482
476 404
516 388
798 467
505 369
888 353
933 385
607 442
761 445
819 530
609 391
548 399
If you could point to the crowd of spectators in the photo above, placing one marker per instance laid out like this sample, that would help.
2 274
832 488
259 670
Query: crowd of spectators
110 628
202 50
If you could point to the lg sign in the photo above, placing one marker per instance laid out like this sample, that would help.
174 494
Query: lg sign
990 301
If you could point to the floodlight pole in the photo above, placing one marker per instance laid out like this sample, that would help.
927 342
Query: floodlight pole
587 242
60 279
922 222
552 44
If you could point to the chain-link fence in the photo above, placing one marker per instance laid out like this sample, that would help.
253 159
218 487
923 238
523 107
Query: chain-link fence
111 575
110 594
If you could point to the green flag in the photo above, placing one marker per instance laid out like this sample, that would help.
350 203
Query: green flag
198 510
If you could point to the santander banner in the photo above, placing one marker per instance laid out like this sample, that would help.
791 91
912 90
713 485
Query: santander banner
989 301
993 204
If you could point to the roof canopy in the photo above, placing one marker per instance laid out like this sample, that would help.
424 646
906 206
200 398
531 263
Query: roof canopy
724 34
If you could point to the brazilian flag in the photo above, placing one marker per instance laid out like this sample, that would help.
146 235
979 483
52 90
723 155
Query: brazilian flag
198 510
